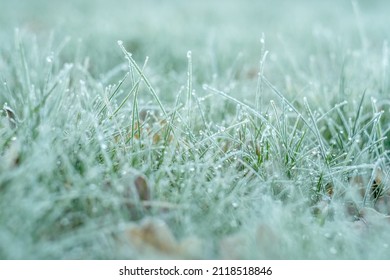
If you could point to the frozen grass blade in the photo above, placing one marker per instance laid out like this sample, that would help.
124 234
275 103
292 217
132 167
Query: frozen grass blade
116 90
26 70
144 78
316 131
236 101
260 88
189 87
134 90
357 118
284 100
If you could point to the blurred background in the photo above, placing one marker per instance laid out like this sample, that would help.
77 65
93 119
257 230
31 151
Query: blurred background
291 28
220 34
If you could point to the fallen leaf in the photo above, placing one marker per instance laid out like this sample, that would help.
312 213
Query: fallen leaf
153 236
269 241
233 247
142 188
373 217
191 247
382 204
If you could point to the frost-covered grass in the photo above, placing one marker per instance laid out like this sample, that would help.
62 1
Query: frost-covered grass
194 129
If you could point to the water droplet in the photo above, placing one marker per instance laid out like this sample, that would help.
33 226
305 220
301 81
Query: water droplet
120 43
234 223
262 40
333 250
65 222
189 54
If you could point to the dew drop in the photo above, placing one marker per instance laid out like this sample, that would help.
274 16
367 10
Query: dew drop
234 224
333 250
65 222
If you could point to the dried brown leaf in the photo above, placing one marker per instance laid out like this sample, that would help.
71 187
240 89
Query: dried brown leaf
373 217
153 236
142 188
233 247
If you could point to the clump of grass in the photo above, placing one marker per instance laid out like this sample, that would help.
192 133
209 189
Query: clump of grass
243 159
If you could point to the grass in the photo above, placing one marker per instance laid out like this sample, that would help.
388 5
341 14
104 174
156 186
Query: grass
194 130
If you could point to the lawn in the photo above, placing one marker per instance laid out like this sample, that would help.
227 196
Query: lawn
194 129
